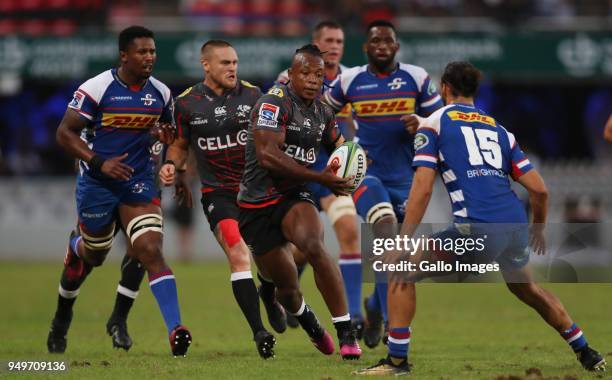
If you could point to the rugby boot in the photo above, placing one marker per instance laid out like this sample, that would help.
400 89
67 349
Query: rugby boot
349 348
180 339
323 342
591 360
277 317
118 332
357 324
385 367
56 340
373 327
265 344
321 339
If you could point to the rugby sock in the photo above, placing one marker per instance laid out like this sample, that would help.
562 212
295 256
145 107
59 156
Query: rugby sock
342 324
381 294
372 302
267 290
399 343
74 273
245 293
74 244
132 273
163 286
309 322
350 267
575 338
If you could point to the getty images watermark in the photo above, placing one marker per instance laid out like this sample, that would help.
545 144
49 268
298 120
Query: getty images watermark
408 247
502 252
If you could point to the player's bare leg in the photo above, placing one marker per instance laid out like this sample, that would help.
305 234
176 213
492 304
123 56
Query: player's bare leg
85 250
244 289
521 284
300 262
143 227
401 308
302 226
343 216
278 266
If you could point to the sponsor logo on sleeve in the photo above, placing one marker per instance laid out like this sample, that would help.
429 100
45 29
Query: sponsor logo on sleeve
420 141
268 115
431 89
77 100
276 91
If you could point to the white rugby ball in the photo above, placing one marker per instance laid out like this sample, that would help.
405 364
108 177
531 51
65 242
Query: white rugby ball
352 162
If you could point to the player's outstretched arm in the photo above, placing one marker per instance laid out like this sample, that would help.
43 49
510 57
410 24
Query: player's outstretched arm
538 200
270 156
420 194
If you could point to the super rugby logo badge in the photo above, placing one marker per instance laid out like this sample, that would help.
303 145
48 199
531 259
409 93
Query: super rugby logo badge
268 114
77 100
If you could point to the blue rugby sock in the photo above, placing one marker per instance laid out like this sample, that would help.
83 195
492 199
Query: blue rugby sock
399 342
381 294
163 286
74 245
372 302
350 267
575 338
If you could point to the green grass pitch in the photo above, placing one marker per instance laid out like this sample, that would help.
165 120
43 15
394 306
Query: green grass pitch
461 331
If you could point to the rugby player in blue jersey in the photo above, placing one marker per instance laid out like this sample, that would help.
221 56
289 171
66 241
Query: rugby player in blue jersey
475 155
108 126
329 37
382 94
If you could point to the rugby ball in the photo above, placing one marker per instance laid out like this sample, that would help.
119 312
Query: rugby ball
352 162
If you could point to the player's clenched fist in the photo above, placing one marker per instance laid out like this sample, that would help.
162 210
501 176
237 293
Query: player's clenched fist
411 122
164 133
167 174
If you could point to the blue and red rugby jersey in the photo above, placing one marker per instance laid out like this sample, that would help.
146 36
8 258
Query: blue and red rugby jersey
119 118
474 155
378 103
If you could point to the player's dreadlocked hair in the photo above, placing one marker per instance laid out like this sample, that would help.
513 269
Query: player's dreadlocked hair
129 34
462 77
310 49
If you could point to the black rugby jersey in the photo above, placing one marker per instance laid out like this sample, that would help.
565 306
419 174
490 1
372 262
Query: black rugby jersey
306 128
216 127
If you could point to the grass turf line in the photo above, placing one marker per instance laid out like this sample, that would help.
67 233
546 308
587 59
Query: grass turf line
461 331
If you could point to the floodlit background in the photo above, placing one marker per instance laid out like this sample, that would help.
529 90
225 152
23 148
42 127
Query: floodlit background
547 65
